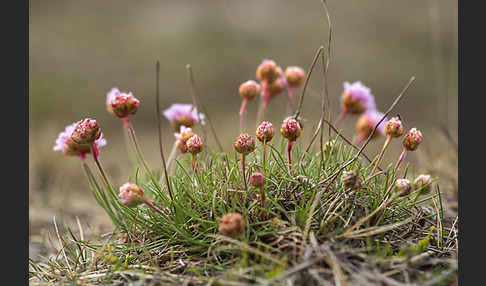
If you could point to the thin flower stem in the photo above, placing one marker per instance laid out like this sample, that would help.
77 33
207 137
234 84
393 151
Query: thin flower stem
340 119
96 156
264 156
242 114
289 153
152 206
385 146
243 170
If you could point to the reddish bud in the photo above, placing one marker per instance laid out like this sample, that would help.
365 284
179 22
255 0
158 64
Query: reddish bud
403 187
194 145
131 195
249 89
232 225
244 144
393 127
423 182
258 180
295 76
412 139
265 132
290 129
86 131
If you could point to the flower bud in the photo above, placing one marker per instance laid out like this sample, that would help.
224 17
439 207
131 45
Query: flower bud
423 182
403 187
194 145
182 137
351 180
327 147
393 127
131 195
412 139
268 71
121 104
295 76
258 180
290 129
232 225
86 131
66 144
265 132
249 89
244 144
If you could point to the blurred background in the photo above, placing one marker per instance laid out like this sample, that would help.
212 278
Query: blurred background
79 50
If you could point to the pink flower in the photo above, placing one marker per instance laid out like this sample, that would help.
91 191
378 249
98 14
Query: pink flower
290 129
131 195
66 144
121 104
357 98
182 114
182 137
367 121
268 71
232 225
244 144
265 132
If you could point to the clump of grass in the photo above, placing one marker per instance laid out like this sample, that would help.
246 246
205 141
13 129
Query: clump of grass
331 216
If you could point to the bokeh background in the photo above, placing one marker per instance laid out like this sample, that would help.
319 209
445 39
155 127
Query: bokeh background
79 50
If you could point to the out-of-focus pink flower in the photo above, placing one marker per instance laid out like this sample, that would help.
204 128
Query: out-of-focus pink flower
367 121
232 225
180 114
258 180
66 144
121 104
268 71
295 76
357 98
423 182
249 89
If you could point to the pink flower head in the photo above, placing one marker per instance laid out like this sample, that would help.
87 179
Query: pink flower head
265 132
194 145
423 182
403 187
295 76
290 129
182 137
121 104
249 89
268 71
367 121
86 131
131 195
182 114
258 180
232 225
66 144
393 127
244 144
412 139
275 88
357 98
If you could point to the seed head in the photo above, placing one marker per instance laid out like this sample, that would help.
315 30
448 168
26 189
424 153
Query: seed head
131 195
249 89
423 182
295 76
290 129
412 139
86 131
194 145
244 144
403 187
232 225
258 180
265 132
393 127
